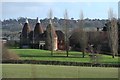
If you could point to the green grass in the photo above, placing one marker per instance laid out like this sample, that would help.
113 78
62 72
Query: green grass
51 71
37 54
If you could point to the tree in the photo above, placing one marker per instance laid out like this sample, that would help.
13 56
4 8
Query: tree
84 38
66 30
50 14
75 39
113 33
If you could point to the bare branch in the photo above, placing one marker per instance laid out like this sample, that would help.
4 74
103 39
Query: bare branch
66 14
84 37
113 33
66 31
81 15
50 14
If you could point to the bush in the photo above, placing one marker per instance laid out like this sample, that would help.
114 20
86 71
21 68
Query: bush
8 55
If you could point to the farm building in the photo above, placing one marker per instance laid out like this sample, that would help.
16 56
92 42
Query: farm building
98 38
41 39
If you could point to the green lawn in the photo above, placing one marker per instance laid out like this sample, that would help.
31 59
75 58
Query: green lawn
51 71
37 54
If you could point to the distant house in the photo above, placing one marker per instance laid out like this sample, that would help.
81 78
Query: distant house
61 39
41 39
95 38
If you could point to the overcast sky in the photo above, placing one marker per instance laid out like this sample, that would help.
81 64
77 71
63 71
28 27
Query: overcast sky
98 10
119 10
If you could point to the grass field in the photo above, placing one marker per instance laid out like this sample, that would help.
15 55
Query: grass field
51 71
37 54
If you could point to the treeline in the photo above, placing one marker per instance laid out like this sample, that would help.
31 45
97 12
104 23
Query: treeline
17 24
12 27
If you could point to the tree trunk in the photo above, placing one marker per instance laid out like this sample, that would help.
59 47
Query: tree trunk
83 54
67 49
113 56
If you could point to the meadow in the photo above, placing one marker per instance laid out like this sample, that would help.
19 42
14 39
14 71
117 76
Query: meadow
58 71
51 71
74 56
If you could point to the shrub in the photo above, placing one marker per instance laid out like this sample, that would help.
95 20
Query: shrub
8 55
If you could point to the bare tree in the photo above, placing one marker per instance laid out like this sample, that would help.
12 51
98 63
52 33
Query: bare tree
113 33
84 38
50 14
66 30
